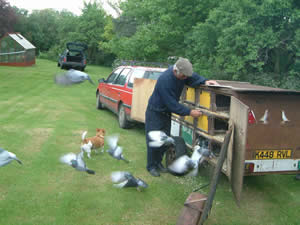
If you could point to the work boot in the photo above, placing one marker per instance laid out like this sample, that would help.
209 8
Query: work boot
297 177
154 172
161 168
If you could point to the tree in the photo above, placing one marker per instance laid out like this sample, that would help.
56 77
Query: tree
158 28
247 40
90 28
8 18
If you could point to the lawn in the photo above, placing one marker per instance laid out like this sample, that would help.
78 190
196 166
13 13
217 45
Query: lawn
40 121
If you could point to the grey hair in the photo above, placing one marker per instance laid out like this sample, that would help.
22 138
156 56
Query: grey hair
176 69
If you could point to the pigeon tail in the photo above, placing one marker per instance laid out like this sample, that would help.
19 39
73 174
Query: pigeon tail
90 171
90 80
127 161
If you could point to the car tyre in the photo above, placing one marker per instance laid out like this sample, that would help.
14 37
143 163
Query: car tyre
123 121
99 105
175 151
62 66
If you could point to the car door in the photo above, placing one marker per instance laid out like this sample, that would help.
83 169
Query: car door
105 89
118 91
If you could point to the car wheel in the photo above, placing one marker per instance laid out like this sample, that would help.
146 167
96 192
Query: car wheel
174 152
123 121
58 65
99 105
82 69
62 66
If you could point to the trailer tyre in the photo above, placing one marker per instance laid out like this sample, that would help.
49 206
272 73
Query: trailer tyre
174 152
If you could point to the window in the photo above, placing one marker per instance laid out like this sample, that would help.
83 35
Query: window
113 76
153 75
136 74
121 80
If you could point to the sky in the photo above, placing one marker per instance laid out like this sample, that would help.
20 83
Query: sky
74 6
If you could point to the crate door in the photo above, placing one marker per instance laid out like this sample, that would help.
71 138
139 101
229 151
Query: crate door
239 118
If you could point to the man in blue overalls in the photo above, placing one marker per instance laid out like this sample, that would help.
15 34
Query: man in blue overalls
164 101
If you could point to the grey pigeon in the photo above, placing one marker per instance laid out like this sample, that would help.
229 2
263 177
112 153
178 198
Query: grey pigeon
72 77
123 179
76 161
189 165
114 150
159 138
6 157
182 165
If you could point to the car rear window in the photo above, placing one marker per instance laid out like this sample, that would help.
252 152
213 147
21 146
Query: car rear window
153 75
136 74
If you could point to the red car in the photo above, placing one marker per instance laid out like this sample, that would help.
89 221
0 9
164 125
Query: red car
115 93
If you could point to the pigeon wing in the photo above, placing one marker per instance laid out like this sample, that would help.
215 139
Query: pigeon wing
67 158
156 144
119 176
157 135
112 141
118 152
180 165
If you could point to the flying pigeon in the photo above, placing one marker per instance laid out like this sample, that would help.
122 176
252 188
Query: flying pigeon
115 150
123 179
6 157
198 156
189 165
182 165
72 77
76 161
159 138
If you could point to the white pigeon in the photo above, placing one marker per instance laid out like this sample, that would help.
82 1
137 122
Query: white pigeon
159 138
198 156
264 118
189 165
6 157
182 165
76 161
123 179
114 150
72 77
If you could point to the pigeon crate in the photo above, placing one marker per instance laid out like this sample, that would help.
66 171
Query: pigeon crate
265 123
215 108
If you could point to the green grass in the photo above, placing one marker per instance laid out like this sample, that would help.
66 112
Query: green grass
40 121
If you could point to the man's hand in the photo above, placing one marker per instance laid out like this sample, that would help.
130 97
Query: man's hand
211 82
195 113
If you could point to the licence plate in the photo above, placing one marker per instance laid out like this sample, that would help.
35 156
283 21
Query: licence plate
273 154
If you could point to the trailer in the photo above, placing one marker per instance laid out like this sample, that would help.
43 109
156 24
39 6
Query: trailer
265 123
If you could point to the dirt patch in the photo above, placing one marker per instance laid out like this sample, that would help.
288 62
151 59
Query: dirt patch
39 136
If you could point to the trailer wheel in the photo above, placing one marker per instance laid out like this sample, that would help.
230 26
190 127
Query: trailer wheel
174 152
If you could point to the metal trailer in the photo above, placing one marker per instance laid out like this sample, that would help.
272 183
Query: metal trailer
265 128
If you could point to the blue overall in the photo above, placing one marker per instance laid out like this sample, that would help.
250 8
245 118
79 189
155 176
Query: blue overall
163 102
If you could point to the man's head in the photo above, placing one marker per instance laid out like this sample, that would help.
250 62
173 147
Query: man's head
183 68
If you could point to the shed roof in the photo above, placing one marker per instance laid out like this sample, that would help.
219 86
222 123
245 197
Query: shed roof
21 40
236 86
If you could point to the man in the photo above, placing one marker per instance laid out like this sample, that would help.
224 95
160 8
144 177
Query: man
164 101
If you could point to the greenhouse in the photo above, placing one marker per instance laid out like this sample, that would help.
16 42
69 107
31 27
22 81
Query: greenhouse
15 50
